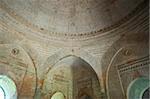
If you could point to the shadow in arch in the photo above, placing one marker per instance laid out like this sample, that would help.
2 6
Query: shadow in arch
85 97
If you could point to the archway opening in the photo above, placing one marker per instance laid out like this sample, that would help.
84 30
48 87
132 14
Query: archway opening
8 88
146 94
58 95
138 89
2 93
74 77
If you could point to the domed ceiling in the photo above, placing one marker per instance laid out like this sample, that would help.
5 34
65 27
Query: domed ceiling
69 17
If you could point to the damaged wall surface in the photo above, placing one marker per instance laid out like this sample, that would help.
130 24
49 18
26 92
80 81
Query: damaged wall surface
75 49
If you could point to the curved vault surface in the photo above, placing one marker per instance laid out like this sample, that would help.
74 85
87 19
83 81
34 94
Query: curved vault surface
69 17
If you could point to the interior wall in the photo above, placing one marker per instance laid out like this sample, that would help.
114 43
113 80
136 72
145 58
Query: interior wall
29 60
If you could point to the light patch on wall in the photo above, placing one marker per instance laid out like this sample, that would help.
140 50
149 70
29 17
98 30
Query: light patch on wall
2 93
58 95
8 88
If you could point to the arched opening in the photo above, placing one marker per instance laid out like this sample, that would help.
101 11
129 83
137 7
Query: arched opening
146 94
138 89
73 77
58 95
2 93
7 88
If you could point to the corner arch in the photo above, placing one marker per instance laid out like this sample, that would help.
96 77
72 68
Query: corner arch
16 63
125 49
55 58
73 76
